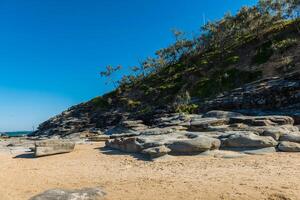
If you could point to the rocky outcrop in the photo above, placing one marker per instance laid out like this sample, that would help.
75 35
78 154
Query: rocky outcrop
247 134
62 194
275 95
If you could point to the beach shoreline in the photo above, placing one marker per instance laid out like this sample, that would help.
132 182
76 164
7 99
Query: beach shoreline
124 176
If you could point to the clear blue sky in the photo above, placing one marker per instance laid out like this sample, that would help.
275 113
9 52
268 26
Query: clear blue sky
51 51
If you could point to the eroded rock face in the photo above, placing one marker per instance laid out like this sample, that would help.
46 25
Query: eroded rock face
275 95
51 147
249 140
61 194
263 120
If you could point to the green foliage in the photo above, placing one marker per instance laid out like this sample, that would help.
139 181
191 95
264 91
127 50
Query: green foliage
100 102
222 81
232 60
186 108
263 53
283 45
129 103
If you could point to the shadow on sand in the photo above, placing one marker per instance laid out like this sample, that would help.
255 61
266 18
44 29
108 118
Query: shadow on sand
26 156
110 151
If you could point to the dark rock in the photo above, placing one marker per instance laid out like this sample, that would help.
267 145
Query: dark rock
61 194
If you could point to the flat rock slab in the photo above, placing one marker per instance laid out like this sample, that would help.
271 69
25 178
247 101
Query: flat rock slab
61 194
261 151
51 147
223 154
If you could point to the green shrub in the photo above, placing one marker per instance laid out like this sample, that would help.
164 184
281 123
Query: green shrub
283 45
100 102
186 108
263 53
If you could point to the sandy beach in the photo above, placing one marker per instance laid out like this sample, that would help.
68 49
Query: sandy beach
123 176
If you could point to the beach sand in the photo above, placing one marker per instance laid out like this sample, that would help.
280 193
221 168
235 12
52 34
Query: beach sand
123 176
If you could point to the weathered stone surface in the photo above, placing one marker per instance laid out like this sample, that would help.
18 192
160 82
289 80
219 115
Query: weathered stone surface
274 93
263 120
261 151
249 140
205 123
129 145
274 132
51 147
98 138
289 146
197 145
156 152
61 194
292 137
221 114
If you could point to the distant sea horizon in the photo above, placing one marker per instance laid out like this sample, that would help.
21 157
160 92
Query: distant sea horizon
17 133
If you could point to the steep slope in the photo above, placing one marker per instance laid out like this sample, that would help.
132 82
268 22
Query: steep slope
207 81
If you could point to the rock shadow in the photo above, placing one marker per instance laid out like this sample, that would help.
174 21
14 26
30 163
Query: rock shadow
25 155
115 152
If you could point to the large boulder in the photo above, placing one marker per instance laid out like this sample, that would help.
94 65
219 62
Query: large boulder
129 145
196 145
248 140
221 114
289 146
61 194
51 147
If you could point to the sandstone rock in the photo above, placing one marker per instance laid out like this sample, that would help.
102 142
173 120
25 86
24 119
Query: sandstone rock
261 151
51 147
156 152
98 138
129 145
249 140
263 120
197 145
204 123
289 146
290 137
221 114
61 194
274 132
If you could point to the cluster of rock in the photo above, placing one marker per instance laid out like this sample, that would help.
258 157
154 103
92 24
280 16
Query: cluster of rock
193 134
274 95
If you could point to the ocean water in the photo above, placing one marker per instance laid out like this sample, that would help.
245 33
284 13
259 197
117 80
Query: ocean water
18 133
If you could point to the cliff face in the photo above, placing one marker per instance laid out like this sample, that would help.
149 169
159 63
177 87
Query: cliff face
259 76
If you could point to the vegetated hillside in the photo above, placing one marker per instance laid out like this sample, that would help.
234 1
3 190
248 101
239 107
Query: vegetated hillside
190 74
